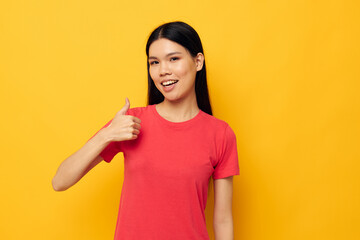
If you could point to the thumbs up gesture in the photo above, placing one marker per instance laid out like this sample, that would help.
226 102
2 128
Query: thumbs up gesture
124 127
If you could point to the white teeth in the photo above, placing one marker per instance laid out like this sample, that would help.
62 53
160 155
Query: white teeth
168 82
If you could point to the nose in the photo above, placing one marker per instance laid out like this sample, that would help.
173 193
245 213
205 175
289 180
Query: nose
164 69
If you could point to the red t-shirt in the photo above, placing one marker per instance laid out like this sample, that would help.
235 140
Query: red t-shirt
167 170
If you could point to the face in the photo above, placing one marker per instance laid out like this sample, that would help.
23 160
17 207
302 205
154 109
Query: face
173 69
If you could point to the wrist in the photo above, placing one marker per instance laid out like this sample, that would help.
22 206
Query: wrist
104 136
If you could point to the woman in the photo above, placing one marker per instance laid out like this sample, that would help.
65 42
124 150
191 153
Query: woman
171 148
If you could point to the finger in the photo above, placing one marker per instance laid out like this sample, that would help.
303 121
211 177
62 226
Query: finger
135 119
125 108
135 131
136 125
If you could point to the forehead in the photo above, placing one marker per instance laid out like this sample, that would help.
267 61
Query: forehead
163 46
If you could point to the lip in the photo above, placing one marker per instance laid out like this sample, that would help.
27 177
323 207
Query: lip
170 87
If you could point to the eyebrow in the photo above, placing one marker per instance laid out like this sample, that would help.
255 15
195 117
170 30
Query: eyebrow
169 54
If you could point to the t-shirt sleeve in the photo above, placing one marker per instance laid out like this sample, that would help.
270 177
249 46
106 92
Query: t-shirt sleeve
109 152
228 164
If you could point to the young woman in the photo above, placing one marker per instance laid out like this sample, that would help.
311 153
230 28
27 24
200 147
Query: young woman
171 148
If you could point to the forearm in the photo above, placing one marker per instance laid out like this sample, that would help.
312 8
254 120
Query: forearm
72 169
224 230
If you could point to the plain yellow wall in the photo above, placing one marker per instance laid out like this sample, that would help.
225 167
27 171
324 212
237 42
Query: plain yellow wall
284 74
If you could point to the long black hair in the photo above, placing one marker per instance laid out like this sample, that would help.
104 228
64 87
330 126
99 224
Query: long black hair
187 37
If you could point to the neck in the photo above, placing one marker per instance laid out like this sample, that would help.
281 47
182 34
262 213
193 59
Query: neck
178 111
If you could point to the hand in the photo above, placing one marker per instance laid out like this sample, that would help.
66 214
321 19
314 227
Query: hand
124 127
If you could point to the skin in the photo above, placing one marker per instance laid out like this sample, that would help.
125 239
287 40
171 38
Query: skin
223 220
169 60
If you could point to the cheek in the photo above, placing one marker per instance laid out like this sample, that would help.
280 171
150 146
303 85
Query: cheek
187 70
183 69
152 73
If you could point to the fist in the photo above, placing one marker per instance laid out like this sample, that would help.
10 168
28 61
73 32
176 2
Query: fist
124 127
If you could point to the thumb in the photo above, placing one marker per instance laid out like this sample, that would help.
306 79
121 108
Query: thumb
125 107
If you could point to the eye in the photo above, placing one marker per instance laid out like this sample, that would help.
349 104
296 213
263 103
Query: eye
174 59
153 62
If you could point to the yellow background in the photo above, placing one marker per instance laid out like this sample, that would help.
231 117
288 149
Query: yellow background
283 74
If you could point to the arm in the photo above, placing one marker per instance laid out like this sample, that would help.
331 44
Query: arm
72 169
223 222
122 127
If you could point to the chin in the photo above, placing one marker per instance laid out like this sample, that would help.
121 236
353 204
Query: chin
172 99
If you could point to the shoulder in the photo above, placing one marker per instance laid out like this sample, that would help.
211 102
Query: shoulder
214 122
218 128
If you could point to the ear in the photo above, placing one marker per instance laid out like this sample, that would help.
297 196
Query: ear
199 60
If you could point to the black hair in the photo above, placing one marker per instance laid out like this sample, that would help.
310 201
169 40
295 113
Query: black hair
187 37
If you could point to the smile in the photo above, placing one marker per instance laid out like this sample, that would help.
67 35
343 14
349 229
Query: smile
168 83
